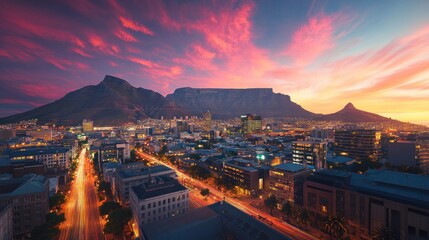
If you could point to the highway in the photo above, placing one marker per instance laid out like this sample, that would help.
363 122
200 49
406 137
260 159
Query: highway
81 210
284 228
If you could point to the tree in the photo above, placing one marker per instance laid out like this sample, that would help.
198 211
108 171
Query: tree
56 200
335 227
287 209
53 219
116 221
304 218
108 207
271 202
199 172
384 233
219 182
205 192
48 230
105 187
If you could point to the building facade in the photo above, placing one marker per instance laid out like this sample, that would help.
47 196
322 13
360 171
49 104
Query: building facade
243 176
124 179
311 154
28 197
368 202
251 123
157 199
287 182
51 157
422 152
6 226
362 145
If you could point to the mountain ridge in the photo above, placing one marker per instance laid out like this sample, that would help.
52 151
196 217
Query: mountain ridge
114 101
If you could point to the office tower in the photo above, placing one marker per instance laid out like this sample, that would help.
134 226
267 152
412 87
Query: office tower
363 145
87 126
251 123
207 120
287 182
308 153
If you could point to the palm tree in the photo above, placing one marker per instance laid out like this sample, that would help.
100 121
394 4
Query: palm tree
384 233
335 227
271 203
287 209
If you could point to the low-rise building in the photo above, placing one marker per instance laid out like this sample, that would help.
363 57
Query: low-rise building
6 227
124 179
28 197
368 202
50 156
287 182
157 199
243 176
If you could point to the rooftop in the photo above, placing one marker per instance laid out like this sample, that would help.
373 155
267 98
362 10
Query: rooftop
407 188
217 221
290 167
143 171
27 184
339 159
157 187
32 151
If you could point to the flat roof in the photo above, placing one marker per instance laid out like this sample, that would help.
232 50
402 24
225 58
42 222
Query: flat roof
161 186
217 221
339 159
143 171
290 167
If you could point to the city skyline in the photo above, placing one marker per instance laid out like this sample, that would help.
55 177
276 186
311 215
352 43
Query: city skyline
373 54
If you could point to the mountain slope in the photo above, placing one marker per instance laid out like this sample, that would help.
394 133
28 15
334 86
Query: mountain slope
112 101
351 114
230 103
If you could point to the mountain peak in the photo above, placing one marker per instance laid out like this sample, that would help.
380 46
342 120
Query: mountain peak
349 106
112 80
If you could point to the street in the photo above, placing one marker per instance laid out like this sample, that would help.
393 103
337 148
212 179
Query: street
282 227
81 209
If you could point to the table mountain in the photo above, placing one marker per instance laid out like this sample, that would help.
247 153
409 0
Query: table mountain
230 103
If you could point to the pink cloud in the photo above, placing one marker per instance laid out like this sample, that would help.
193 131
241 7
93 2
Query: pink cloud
138 27
121 34
316 37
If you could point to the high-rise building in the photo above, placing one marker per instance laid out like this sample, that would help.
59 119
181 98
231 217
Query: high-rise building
287 182
251 123
308 153
362 145
422 152
207 120
87 126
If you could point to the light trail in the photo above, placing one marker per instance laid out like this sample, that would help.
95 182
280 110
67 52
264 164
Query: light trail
82 215
284 228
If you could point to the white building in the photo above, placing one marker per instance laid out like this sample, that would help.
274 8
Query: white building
161 198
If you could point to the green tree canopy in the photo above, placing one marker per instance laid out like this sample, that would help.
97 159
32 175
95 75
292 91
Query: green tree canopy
108 207
271 202
116 221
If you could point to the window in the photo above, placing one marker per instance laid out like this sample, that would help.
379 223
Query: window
143 207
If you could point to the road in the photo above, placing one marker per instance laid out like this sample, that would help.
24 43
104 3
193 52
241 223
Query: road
83 220
284 228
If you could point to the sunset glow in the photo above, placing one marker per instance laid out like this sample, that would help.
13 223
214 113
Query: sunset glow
323 54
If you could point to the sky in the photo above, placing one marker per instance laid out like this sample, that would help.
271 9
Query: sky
323 54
